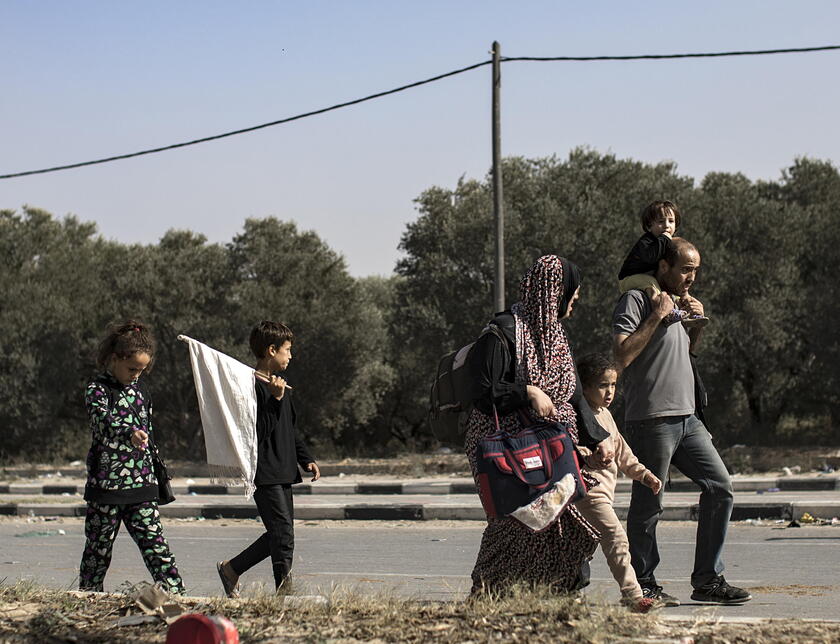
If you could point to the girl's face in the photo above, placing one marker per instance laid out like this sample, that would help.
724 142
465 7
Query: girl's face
601 393
571 306
128 370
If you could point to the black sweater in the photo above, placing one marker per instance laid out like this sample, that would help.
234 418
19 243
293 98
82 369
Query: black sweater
645 255
496 369
280 448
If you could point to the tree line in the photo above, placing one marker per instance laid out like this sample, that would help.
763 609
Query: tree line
366 348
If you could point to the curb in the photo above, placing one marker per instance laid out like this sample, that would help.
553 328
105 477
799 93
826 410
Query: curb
420 511
760 486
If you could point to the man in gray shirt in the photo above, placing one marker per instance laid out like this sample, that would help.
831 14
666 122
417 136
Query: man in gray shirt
663 428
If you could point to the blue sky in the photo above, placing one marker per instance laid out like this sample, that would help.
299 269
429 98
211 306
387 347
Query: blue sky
87 79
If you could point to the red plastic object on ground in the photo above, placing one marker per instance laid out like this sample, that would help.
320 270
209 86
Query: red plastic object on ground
202 629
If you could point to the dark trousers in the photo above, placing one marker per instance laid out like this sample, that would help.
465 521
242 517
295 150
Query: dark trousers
142 520
274 503
686 443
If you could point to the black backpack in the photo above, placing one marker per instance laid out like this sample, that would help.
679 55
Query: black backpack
455 389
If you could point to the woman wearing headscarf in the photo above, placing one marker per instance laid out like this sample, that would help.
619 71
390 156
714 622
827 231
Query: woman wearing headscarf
535 375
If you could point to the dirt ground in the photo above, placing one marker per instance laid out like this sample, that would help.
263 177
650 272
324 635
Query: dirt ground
36 615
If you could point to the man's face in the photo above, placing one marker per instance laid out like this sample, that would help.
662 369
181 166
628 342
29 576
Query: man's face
677 279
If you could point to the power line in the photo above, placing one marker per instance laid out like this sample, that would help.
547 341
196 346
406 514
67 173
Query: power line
402 88
719 54
247 129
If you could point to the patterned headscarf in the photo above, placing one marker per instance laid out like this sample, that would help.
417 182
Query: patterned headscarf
543 356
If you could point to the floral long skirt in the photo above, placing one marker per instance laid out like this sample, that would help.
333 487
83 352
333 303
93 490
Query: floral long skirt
510 552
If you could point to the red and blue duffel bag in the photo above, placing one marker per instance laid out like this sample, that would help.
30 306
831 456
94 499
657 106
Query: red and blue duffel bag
532 475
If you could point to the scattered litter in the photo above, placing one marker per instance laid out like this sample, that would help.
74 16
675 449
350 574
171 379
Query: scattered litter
192 494
154 604
826 469
807 518
41 533
135 620
768 490
75 463
794 524
195 627
786 471
444 450
835 521
341 475
189 482
11 563
438 539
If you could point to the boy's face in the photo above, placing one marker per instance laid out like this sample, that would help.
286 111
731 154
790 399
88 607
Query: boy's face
601 393
280 356
128 370
664 224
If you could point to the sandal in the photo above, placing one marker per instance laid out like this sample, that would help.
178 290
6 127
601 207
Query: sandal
231 587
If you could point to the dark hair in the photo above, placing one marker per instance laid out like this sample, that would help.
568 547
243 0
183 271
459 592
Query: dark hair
652 211
676 249
267 333
594 365
124 340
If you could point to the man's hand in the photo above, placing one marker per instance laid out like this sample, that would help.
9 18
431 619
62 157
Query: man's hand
139 439
316 471
540 402
663 304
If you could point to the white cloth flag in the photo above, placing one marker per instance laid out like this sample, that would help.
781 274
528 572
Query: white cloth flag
228 405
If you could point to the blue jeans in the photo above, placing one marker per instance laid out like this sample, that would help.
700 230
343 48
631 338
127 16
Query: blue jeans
686 443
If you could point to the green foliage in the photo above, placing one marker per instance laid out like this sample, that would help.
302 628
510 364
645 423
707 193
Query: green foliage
768 249
365 349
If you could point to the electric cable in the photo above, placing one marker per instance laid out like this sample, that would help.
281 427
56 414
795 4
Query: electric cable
402 88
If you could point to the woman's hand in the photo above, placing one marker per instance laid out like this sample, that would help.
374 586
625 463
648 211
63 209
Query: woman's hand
602 456
652 481
139 439
540 402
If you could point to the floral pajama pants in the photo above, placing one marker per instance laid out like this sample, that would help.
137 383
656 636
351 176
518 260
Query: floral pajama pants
142 520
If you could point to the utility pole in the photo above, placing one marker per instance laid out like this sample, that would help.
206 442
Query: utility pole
498 207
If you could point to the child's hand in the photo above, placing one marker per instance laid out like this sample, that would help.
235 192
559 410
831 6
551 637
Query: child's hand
276 384
139 439
691 304
652 481
316 471
602 456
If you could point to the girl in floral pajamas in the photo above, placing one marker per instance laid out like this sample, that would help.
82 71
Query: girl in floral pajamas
121 485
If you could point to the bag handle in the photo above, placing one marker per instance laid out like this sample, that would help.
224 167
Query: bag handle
548 466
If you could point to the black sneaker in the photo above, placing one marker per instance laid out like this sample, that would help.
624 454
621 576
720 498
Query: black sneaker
655 592
718 591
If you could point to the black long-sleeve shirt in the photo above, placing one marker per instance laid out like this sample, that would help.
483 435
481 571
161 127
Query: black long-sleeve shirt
645 255
280 448
496 370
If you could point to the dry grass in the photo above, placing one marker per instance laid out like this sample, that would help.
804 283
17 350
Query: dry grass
29 613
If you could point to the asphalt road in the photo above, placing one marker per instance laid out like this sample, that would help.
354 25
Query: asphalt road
791 572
